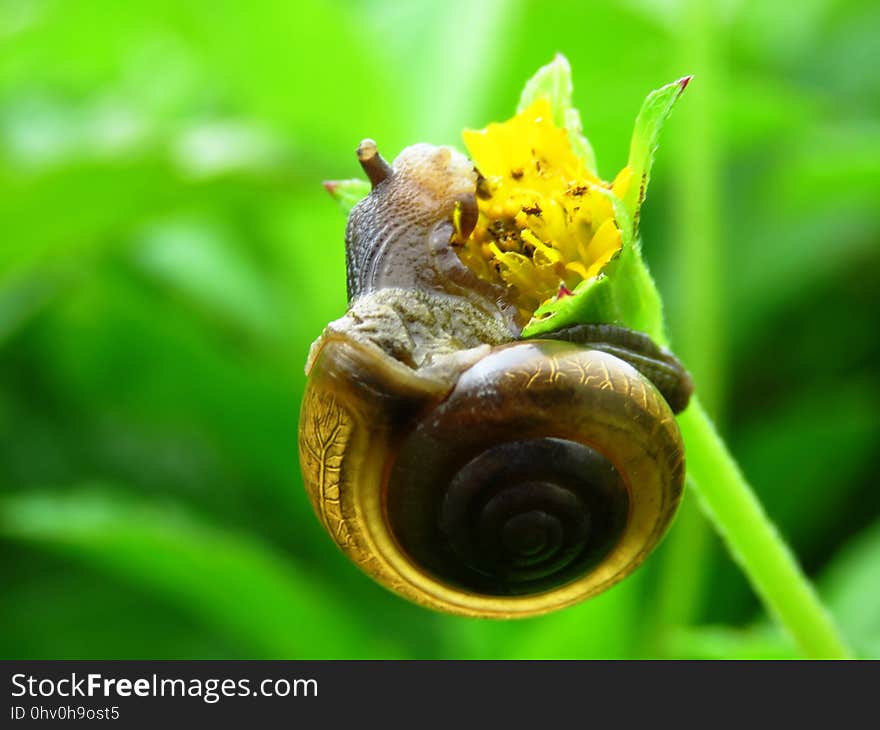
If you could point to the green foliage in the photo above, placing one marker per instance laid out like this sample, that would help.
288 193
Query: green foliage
851 577
168 254
233 584
646 136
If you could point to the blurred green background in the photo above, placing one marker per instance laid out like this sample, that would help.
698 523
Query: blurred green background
167 254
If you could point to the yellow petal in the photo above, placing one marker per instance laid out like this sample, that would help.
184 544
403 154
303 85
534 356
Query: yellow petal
578 268
606 241
549 255
517 269
622 182
599 264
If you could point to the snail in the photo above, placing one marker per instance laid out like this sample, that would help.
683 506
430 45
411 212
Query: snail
468 469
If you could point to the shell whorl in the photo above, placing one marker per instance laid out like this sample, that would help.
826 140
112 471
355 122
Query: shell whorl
543 477
521 517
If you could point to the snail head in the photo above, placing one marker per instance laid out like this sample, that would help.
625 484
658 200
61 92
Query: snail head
400 235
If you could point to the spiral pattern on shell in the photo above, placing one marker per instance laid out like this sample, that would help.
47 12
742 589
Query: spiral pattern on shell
517 518
527 499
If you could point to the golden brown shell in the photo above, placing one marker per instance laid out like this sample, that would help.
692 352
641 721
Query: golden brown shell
360 410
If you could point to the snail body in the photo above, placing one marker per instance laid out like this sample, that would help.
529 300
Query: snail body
464 468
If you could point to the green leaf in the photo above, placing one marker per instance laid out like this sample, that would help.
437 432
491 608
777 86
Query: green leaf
653 114
847 429
233 583
55 618
600 628
851 588
347 192
202 259
721 642
554 82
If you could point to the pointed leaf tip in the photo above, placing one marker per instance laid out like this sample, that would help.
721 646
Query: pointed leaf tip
654 112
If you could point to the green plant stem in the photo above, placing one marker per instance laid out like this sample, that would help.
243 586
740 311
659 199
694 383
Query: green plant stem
753 540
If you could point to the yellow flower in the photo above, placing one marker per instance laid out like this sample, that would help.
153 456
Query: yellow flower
545 221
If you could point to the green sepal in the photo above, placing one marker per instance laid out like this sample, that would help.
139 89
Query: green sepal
554 82
646 133
347 192
637 301
591 301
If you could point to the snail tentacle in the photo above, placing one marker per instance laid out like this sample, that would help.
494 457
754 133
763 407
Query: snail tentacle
374 165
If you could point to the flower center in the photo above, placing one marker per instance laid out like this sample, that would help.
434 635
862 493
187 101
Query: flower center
546 223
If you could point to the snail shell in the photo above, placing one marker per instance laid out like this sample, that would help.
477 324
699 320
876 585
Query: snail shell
467 470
